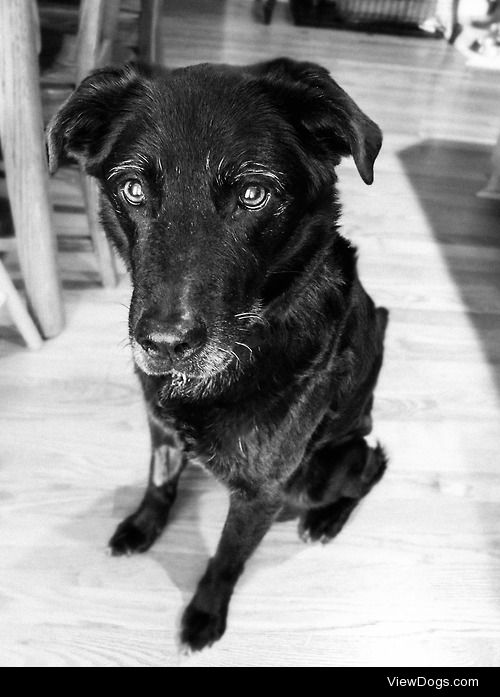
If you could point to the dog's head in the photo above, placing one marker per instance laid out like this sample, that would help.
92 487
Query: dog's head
211 177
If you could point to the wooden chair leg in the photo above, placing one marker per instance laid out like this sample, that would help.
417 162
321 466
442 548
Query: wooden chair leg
110 20
18 312
23 145
150 49
105 256
89 37
96 31
455 28
97 25
263 10
492 188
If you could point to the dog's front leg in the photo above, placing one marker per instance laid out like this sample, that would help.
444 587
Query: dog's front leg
138 532
248 520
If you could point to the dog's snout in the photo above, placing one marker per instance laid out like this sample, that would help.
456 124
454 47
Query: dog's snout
174 340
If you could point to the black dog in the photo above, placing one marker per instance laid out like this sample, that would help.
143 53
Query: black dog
256 346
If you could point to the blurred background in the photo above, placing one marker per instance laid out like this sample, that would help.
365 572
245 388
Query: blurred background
414 577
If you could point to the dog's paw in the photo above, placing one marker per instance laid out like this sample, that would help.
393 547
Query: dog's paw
134 535
201 628
375 467
323 524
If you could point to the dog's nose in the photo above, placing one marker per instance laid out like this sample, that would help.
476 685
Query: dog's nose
173 340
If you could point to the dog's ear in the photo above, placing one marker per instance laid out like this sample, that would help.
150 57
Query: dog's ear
85 127
328 121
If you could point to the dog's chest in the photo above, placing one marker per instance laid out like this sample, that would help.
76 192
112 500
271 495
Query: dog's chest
222 441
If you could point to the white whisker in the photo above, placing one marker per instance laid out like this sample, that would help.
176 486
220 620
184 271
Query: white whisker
230 352
247 347
128 166
251 316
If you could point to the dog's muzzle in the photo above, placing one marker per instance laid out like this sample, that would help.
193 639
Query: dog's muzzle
170 343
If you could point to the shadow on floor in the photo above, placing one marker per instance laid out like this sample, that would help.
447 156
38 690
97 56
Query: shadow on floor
182 551
446 176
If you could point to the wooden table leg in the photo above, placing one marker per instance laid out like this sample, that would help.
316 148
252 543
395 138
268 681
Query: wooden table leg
23 146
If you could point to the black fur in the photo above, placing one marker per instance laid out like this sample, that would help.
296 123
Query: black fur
256 346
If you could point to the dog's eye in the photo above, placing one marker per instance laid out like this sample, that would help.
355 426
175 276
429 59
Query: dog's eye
254 197
133 193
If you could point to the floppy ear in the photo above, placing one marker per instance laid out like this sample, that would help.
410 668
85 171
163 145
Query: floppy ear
325 117
85 127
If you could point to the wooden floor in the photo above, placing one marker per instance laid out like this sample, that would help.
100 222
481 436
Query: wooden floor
414 579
